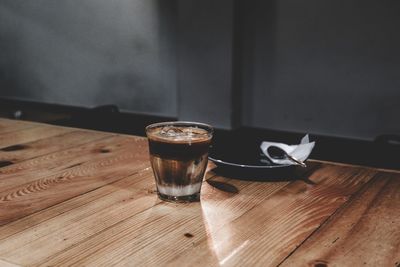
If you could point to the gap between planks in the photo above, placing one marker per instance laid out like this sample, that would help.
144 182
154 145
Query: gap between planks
359 219
328 219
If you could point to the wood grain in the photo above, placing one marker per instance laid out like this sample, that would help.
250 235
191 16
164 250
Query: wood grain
71 226
58 162
161 222
280 223
4 263
20 152
10 139
85 198
7 126
365 232
82 205
94 170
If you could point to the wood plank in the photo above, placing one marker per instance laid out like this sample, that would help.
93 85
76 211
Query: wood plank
365 232
25 172
164 221
123 208
28 135
354 165
4 263
94 172
92 213
83 201
22 152
130 235
217 209
143 181
7 125
280 223
84 204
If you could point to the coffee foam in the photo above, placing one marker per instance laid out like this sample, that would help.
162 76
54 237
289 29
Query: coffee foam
179 134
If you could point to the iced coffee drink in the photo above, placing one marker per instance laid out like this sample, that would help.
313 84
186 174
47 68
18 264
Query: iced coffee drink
179 156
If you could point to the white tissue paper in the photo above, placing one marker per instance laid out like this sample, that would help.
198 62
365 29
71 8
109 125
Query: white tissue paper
300 152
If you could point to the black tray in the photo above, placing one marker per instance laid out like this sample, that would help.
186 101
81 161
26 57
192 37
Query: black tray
244 159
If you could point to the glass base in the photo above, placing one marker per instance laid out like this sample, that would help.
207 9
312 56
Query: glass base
181 199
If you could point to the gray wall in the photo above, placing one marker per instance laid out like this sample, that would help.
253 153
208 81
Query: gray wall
325 67
205 58
328 67
90 52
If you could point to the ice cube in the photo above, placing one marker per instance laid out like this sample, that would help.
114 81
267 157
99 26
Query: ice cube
171 131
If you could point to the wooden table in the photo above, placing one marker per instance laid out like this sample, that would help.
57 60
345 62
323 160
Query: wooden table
78 197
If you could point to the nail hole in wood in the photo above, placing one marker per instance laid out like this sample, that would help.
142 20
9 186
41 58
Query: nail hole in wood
320 264
188 235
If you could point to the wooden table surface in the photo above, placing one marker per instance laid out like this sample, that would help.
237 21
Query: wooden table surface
78 197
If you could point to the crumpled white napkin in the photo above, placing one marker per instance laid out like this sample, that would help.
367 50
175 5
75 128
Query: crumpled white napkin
300 152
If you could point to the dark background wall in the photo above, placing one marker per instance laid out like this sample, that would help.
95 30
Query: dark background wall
326 67
329 67
205 59
90 52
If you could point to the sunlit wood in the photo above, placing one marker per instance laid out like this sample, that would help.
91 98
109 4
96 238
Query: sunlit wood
85 198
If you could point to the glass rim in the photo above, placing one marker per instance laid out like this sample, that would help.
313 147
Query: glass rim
207 127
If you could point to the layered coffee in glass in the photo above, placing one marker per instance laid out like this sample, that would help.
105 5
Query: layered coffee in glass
179 156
